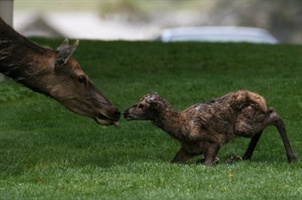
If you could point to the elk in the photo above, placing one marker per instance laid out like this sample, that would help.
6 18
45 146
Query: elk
202 129
53 73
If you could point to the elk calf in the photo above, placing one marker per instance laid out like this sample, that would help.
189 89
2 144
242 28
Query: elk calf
54 73
203 128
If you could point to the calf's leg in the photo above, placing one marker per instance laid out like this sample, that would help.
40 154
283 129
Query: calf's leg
249 152
274 119
211 153
181 156
271 118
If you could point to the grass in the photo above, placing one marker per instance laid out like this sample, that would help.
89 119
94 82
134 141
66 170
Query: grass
47 152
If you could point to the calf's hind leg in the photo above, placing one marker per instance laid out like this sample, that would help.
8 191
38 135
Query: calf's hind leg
271 118
275 120
249 152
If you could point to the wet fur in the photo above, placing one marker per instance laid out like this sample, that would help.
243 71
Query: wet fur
203 129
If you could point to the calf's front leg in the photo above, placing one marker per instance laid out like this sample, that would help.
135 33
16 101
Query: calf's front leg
181 156
211 153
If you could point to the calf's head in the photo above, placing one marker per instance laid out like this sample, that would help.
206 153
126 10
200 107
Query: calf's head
148 108
69 85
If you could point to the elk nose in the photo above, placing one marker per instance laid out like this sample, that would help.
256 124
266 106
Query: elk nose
116 115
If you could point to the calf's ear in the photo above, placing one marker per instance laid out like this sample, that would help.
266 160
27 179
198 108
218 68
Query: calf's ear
64 52
154 96
152 99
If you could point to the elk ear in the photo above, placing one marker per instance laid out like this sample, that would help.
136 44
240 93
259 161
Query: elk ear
64 52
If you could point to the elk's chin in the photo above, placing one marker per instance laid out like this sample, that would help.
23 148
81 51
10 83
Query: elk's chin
103 120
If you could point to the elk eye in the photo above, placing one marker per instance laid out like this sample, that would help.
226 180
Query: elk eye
82 79
141 106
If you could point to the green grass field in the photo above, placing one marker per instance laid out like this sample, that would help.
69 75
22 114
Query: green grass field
47 152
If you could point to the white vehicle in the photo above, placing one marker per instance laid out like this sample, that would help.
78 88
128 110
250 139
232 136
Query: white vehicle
218 34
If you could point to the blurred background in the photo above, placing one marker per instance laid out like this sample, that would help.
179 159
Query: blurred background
146 19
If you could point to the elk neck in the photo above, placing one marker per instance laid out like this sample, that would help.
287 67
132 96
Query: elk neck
21 59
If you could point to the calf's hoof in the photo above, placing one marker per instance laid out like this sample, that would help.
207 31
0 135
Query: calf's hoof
202 161
234 159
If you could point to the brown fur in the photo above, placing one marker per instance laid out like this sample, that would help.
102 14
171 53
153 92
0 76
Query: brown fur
203 128
54 73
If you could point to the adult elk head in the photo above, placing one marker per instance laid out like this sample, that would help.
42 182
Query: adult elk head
53 73
69 85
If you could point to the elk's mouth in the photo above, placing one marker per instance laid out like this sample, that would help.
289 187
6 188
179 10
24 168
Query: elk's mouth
104 120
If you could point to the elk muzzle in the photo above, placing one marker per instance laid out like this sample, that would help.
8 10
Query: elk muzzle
110 117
